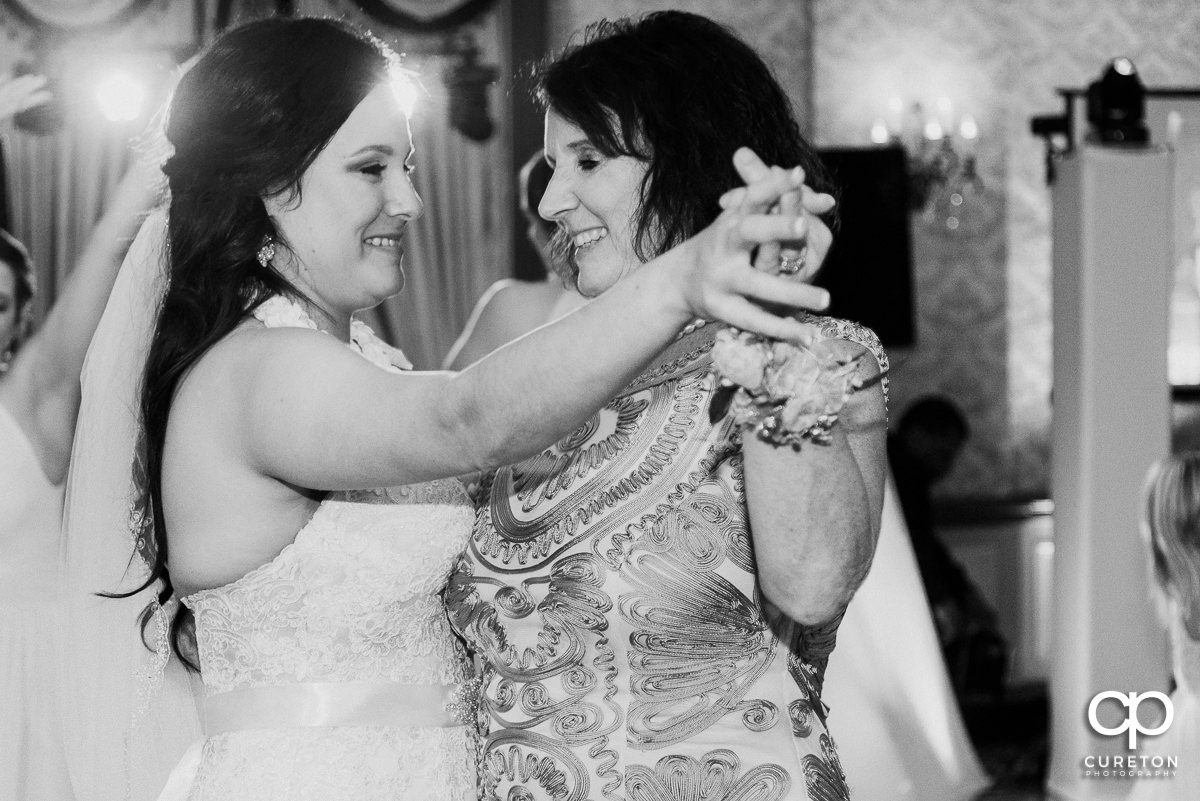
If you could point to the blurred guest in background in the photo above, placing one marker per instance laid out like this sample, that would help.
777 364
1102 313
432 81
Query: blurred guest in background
39 401
1171 531
921 452
511 307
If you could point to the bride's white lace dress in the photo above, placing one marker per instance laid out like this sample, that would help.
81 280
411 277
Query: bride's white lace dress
331 672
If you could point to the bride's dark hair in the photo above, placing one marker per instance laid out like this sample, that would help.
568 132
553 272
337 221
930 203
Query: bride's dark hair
246 122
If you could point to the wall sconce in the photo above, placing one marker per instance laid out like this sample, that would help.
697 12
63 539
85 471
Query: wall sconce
940 149
467 81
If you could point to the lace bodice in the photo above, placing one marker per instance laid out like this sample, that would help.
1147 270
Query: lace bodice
353 598
349 614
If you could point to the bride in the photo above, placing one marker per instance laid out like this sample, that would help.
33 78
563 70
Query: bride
267 415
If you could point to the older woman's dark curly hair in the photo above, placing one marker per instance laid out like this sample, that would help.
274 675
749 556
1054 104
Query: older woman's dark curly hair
681 93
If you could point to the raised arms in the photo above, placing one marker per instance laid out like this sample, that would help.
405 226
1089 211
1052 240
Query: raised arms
41 387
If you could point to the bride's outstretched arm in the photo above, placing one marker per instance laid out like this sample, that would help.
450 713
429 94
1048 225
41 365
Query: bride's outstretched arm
315 416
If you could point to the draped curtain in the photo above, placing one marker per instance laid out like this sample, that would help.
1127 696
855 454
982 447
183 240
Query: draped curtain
58 184
464 240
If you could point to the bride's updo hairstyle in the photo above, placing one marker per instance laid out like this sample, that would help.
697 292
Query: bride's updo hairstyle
246 122
681 93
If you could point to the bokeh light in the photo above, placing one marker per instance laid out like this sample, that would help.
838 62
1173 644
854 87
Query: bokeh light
405 88
121 95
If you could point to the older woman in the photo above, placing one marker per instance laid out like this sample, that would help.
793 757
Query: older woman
655 595
293 484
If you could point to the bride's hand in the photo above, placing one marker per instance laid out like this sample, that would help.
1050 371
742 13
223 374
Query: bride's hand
802 257
719 281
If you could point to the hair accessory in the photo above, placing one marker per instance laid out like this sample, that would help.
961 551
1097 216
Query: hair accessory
792 262
785 392
266 251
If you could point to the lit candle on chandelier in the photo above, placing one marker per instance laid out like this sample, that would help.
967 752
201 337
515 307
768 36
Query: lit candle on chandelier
879 132
895 118
945 113
969 132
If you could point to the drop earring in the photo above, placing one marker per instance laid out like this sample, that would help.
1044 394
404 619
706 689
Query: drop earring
266 251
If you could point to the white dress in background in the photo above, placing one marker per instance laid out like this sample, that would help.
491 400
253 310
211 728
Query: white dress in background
331 672
899 730
1182 739
32 622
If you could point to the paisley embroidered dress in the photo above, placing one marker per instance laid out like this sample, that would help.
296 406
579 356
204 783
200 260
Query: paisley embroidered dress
331 672
609 588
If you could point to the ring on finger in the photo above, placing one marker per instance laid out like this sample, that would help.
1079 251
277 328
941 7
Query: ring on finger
792 261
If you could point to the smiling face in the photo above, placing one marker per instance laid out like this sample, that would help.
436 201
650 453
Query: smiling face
594 199
344 230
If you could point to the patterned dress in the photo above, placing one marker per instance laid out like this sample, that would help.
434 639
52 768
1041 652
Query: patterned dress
609 588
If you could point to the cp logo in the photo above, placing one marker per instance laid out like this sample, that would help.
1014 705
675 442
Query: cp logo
1132 723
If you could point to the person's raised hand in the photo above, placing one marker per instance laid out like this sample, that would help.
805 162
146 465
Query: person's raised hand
20 93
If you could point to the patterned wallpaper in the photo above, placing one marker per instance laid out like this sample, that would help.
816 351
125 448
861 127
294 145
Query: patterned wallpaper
983 289
984 314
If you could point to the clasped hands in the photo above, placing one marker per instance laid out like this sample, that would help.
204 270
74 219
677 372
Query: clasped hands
802 256
769 241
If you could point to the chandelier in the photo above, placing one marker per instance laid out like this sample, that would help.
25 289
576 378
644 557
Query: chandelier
940 151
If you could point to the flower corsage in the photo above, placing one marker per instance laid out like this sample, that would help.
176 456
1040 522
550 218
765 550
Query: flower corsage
784 392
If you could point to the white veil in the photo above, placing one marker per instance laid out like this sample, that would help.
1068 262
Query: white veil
130 712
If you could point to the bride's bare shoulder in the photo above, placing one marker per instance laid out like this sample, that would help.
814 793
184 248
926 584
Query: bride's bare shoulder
252 349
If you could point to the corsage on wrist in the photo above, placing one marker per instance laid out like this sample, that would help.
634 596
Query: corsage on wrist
785 392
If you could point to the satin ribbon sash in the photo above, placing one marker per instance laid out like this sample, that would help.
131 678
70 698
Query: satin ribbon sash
331 704
320 704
